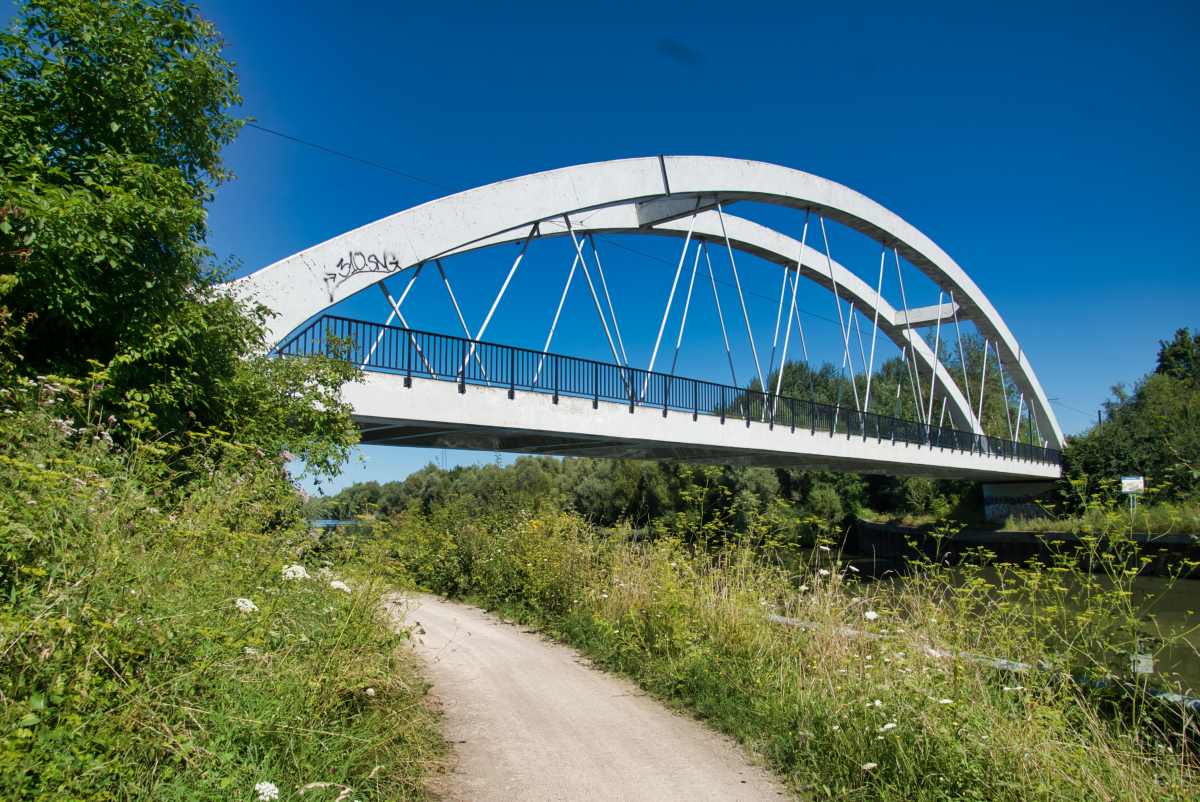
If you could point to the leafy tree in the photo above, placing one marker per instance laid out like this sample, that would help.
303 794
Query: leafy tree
1180 358
112 118
1153 431
113 114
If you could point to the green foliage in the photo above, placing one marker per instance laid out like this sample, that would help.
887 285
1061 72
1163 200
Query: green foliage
871 693
608 492
1153 431
112 117
151 647
1180 358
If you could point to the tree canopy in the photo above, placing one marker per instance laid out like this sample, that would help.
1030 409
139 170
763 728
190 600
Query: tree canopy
1153 431
113 114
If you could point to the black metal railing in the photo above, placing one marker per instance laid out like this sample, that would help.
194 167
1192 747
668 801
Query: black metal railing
436 356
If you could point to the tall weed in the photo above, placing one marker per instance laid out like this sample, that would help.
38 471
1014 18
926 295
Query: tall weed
851 691
152 644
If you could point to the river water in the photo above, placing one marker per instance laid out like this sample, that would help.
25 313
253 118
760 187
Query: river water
1168 607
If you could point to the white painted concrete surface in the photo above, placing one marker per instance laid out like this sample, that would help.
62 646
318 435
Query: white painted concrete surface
433 413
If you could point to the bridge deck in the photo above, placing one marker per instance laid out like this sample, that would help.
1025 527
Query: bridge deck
435 391
435 414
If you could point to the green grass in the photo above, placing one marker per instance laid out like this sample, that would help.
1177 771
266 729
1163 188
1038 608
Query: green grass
128 667
847 706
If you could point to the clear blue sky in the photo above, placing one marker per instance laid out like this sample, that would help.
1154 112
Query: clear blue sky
1050 148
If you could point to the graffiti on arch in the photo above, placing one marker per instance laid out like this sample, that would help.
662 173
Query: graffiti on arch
356 262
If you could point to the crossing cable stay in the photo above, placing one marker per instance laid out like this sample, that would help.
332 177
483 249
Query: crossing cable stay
900 384
391 316
396 310
554 325
596 299
1004 386
741 297
937 357
875 331
687 304
788 331
466 331
720 316
670 299
962 359
908 333
804 345
496 303
775 341
841 325
612 312
983 383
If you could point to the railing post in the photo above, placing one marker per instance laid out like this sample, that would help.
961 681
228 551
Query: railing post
812 417
722 405
695 400
771 424
747 408
666 391
408 360
555 379
462 371
512 373
596 386
792 409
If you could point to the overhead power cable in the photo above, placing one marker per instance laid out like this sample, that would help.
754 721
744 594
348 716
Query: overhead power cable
451 189
353 158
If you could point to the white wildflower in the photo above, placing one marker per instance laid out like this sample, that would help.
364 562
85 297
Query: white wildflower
1016 688
870 615
823 572
370 691
339 585
295 572
870 766
823 548
837 727
804 588
852 568
878 703
945 701
266 791
251 652
246 606
891 725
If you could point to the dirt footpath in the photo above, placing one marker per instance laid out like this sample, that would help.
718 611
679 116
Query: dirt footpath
531 721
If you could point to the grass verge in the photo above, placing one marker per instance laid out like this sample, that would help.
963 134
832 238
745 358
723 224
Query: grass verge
864 699
169 629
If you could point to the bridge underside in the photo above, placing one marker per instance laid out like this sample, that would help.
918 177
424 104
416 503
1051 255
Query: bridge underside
434 414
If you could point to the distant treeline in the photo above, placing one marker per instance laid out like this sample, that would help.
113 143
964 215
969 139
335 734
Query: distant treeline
606 491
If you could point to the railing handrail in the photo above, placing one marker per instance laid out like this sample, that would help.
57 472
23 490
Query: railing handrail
463 360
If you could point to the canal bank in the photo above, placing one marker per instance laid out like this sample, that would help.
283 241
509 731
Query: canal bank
880 553
1168 553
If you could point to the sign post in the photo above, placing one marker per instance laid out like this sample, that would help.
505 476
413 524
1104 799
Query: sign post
1133 486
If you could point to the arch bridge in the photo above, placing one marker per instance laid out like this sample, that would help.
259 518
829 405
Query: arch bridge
442 391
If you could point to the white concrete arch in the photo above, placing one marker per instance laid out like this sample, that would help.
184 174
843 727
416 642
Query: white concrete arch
663 189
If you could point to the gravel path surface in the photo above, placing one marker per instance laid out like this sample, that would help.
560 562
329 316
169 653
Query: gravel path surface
531 720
